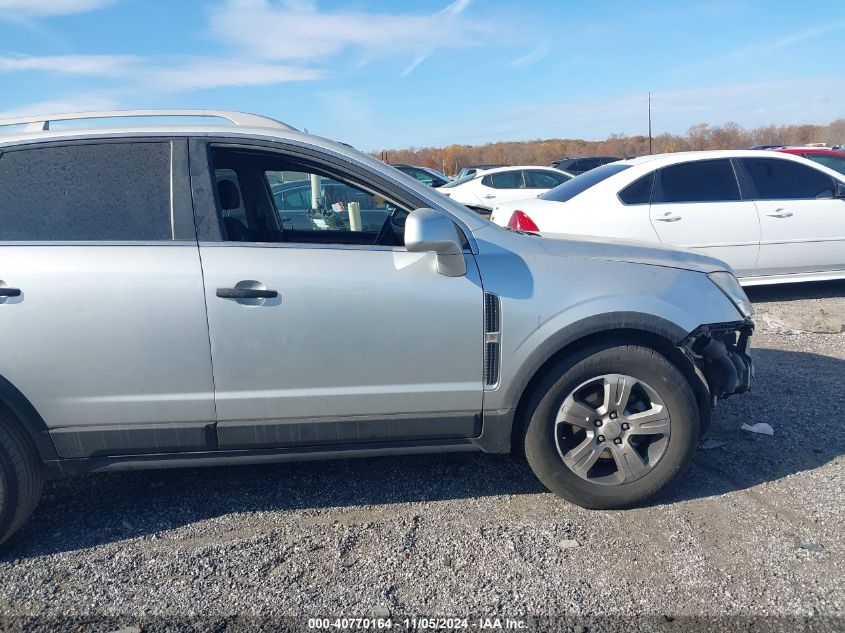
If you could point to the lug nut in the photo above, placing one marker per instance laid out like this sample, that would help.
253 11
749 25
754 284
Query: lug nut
626 426
597 422
618 440
613 415
600 439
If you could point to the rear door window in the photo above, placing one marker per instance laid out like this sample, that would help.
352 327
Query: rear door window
777 179
87 192
505 180
697 181
540 179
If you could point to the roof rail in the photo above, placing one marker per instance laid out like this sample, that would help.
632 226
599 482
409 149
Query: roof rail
41 123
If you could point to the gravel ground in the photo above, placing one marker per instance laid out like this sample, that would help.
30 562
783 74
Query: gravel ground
753 534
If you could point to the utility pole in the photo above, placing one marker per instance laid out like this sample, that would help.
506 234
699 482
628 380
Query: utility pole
649 123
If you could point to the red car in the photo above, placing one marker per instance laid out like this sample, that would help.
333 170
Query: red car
827 157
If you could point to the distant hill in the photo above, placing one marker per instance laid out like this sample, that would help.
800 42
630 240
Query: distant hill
452 158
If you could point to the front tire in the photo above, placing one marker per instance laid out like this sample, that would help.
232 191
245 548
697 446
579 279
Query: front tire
612 428
21 476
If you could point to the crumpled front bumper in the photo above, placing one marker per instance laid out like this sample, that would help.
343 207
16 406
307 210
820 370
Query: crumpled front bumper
721 351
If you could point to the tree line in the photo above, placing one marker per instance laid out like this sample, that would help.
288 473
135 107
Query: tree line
701 136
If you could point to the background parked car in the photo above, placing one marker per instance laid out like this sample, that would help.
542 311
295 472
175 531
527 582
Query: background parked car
471 170
425 175
828 157
331 211
774 217
577 166
484 189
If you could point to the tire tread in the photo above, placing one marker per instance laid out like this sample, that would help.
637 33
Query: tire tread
22 473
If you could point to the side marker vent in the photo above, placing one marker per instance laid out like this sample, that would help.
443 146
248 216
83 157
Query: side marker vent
492 334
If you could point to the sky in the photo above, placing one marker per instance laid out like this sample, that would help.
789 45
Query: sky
392 74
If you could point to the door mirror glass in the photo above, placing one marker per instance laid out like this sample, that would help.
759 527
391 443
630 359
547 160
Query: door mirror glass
430 231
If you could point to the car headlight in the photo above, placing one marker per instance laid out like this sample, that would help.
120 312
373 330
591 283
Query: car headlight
728 284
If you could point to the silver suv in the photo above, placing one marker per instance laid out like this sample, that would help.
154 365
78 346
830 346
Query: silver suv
209 294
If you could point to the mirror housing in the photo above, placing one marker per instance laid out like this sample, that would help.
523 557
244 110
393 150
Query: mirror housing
427 231
839 190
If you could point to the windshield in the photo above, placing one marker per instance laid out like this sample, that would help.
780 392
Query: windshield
439 174
829 160
572 188
459 181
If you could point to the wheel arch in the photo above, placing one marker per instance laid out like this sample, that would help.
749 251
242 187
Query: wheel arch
28 419
652 332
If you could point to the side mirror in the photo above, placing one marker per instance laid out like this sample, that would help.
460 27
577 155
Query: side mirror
427 231
839 190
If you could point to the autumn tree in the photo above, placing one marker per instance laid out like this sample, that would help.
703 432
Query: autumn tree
701 136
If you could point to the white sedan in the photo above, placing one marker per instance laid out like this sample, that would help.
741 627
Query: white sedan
773 217
486 188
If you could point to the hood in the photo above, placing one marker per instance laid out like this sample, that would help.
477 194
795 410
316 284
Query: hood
618 250
600 248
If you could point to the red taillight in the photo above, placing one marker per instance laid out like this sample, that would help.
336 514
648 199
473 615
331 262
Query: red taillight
521 222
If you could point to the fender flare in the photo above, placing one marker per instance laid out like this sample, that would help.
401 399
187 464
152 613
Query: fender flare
606 322
29 418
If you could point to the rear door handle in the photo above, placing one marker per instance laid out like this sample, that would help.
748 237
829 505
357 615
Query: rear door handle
668 217
246 293
10 292
780 213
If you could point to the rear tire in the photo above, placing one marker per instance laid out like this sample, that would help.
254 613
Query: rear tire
21 476
602 455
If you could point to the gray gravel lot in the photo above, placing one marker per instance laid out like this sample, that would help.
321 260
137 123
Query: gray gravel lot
755 530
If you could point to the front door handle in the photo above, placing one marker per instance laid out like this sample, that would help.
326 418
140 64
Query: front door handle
780 213
668 217
490 196
9 292
246 293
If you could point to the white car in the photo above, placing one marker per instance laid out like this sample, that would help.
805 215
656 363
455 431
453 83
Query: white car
773 217
486 188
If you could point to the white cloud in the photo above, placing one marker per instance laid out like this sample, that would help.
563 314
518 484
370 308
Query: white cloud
204 73
808 34
297 30
176 74
794 100
79 103
99 65
42 8
755 51
532 57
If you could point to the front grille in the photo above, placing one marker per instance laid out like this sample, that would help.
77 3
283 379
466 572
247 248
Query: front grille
492 333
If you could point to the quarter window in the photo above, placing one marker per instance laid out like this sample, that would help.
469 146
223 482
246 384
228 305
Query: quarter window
639 191
698 181
786 180
96 192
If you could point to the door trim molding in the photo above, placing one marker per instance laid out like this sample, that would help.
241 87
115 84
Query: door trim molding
306 432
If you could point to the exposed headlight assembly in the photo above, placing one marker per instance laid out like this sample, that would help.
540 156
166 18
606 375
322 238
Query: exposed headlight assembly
728 284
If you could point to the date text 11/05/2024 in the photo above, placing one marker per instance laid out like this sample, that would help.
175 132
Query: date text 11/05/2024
496 623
